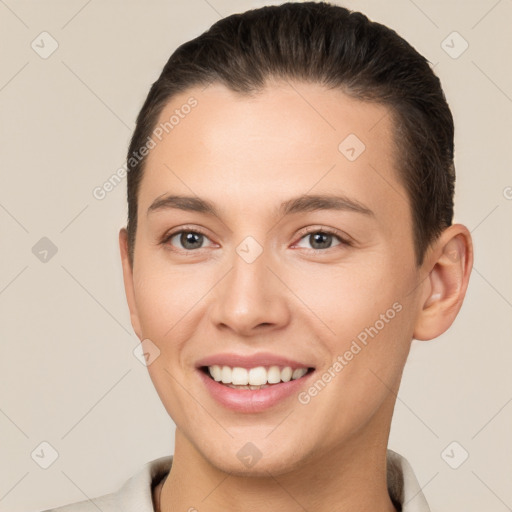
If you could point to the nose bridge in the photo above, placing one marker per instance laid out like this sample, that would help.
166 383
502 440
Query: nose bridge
250 294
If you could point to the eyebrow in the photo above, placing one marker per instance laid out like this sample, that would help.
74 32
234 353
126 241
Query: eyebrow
299 204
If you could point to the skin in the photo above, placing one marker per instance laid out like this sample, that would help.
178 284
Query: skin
247 155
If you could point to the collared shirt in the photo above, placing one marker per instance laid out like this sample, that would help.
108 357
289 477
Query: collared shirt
136 495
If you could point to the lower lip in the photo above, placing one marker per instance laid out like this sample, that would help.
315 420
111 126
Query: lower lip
251 401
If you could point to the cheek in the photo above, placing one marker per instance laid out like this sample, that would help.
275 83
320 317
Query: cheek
346 298
366 319
165 300
366 362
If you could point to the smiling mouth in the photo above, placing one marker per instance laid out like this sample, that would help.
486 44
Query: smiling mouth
205 370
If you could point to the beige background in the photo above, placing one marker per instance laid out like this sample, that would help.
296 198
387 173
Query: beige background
68 375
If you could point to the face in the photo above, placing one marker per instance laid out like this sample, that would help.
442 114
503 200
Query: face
327 284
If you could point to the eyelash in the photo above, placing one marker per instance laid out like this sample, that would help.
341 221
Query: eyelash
308 231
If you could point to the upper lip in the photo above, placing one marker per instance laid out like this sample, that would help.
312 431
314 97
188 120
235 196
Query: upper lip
244 361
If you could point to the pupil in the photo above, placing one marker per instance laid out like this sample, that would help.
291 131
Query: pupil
317 236
191 238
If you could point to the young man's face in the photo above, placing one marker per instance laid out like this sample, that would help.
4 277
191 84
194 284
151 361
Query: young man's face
257 282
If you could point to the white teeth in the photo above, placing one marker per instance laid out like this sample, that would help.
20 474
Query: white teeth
225 376
273 375
256 376
215 372
286 374
298 373
240 377
259 376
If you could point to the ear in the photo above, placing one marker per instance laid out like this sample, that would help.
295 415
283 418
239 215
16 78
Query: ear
450 262
128 282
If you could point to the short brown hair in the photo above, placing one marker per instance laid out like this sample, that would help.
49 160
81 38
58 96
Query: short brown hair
326 44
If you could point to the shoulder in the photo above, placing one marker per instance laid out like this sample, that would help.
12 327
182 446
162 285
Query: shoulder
134 496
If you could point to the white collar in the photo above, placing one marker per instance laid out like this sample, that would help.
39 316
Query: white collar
403 485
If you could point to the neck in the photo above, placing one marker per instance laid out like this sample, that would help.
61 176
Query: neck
346 478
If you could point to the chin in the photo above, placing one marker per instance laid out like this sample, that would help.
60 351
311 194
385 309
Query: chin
257 459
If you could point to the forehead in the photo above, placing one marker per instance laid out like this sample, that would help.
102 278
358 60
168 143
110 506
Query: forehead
288 139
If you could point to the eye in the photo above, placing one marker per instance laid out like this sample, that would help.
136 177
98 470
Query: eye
321 238
193 239
189 239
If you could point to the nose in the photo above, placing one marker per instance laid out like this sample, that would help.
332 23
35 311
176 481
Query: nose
251 298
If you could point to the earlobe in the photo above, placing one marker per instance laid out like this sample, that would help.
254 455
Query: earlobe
128 281
451 262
